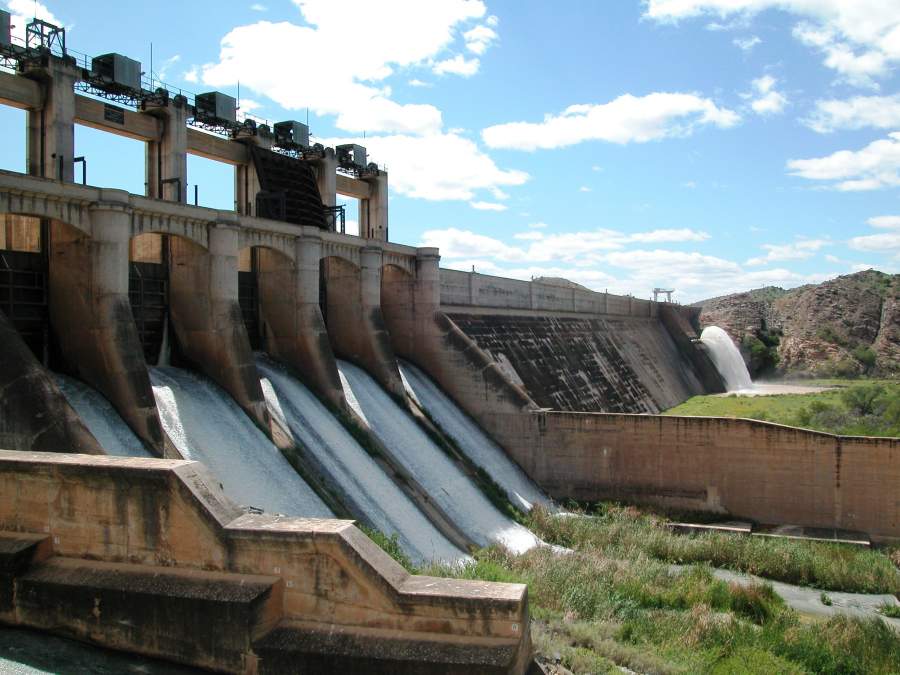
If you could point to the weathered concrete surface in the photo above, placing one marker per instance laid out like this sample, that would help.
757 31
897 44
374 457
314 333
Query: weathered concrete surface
354 318
34 414
295 332
51 125
206 316
597 364
170 514
91 318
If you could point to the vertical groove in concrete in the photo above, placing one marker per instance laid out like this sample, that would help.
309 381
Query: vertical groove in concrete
91 316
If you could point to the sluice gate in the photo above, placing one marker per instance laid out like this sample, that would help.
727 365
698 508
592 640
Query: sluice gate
24 296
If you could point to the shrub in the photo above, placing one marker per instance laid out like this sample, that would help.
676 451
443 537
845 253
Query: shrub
865 355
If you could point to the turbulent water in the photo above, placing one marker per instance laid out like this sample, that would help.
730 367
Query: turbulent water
372 495
727 358
206 425
101 419
480 449
444 482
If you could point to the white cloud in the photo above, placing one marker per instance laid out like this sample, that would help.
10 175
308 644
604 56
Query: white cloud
537 226
264 57
800 250
584 188
256 7
875 166
458 65
859 39
488 206
627 119
163 69
191 75
528 236
670 235
479 39
419 83
877 243
767 100
860 112
746 44
690 185
596 167
23 11
885 222
436 166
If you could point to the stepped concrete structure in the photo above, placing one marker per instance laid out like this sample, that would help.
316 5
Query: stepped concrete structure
96 282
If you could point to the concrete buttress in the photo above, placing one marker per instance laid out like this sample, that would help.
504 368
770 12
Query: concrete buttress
91 317
34 414
326 177
353 316
206 316
289 308
373 212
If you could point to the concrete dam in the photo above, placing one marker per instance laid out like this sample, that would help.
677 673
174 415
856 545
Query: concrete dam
197 406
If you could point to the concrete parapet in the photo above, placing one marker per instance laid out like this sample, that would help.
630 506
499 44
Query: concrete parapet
289 308
137 524
206 316
90 314
34 414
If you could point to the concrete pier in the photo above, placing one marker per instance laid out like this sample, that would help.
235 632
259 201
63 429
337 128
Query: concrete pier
206 316
90 314
166 170
354 319
295 332
51 127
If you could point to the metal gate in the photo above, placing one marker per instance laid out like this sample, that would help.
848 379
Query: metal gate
248 297
148 291
23 298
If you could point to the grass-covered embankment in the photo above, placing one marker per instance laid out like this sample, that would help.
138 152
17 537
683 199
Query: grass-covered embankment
615 600
852 408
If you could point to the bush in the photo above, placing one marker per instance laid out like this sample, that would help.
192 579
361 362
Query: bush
864 399
865 355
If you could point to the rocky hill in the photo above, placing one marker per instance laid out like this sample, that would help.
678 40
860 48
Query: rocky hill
846 326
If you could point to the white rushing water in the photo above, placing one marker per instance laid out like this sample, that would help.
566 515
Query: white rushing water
727 358
206 425
101 419
444 482
476 445
370 492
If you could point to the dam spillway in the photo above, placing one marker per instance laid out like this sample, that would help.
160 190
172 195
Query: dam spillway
206 425
101 419
471 439
372 495
442 479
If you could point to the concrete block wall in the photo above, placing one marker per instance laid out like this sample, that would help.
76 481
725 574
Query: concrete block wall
170 515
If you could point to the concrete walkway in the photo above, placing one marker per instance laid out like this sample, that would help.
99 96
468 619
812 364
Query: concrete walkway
809 600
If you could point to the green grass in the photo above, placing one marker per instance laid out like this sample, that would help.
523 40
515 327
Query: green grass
852 408
615 601
597 613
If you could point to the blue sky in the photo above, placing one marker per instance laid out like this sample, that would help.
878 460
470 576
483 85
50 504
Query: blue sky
704 145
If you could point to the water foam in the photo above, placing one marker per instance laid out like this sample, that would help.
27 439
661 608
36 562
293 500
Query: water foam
442 479
476 445
371 494
727 358
206 425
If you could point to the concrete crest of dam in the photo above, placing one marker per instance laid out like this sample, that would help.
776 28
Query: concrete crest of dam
195 403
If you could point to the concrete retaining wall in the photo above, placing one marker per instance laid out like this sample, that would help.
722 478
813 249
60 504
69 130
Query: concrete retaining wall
170 515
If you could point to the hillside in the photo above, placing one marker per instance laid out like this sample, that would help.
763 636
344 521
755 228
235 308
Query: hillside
843 327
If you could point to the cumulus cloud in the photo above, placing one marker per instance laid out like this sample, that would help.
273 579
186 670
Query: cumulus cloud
23 11
436 166
480 38
858 39
627 119
458 65
799 250
766 99
873 167
859 112
264 57
886 242
885 222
